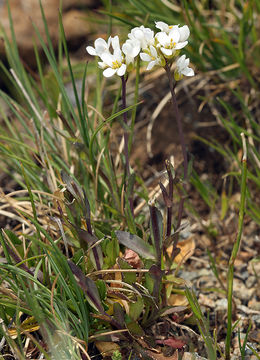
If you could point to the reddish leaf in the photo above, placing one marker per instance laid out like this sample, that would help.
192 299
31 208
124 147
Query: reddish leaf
172 342
132 258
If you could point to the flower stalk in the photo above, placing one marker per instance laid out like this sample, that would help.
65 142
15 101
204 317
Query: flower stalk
182 141
126 142
126 132
169 208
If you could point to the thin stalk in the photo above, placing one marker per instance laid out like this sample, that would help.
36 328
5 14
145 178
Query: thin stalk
181 137
126 133
156 235
179 121
235 250
126 141
169 208
137 80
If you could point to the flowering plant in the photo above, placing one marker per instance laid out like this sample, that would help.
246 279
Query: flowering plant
160 49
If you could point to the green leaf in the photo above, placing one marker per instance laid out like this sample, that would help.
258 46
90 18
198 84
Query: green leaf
135 329
136 308
15 240
130 277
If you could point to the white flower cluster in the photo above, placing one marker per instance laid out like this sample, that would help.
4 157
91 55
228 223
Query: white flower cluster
154 49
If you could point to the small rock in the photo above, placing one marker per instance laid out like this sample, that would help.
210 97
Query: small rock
192 356
221 305
244 275
189 275
256 319
254 267
242 292
254 304
250 281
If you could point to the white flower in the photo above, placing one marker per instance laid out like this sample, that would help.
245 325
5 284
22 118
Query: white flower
131 49
184 30
169 43
145 36
182 68
164 27
113 63
172 40
101 46
153 57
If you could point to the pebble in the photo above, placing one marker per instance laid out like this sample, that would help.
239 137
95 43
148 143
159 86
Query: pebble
244 275
221 304
242 292
254 304
256 319
192 356
189 275
250 282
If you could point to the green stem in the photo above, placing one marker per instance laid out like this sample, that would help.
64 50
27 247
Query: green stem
126 134
235 250
137 80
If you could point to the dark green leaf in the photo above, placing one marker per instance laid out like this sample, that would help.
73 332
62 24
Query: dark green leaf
136 244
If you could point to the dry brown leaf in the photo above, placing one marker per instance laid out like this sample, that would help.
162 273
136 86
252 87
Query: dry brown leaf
132 258
107 348
28 325
177 300
187 248
160 356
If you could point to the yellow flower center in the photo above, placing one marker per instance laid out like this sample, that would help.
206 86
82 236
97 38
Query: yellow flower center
116 64
172 44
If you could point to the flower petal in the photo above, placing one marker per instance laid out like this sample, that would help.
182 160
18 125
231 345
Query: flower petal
145 56
167 52
180 60
121 71
162 26
109 72
181 45
163 38
188 72
174 34
115 42
126 48
107 58
118 54
102 65
151 65
91 50
100 46
153 52
184 33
